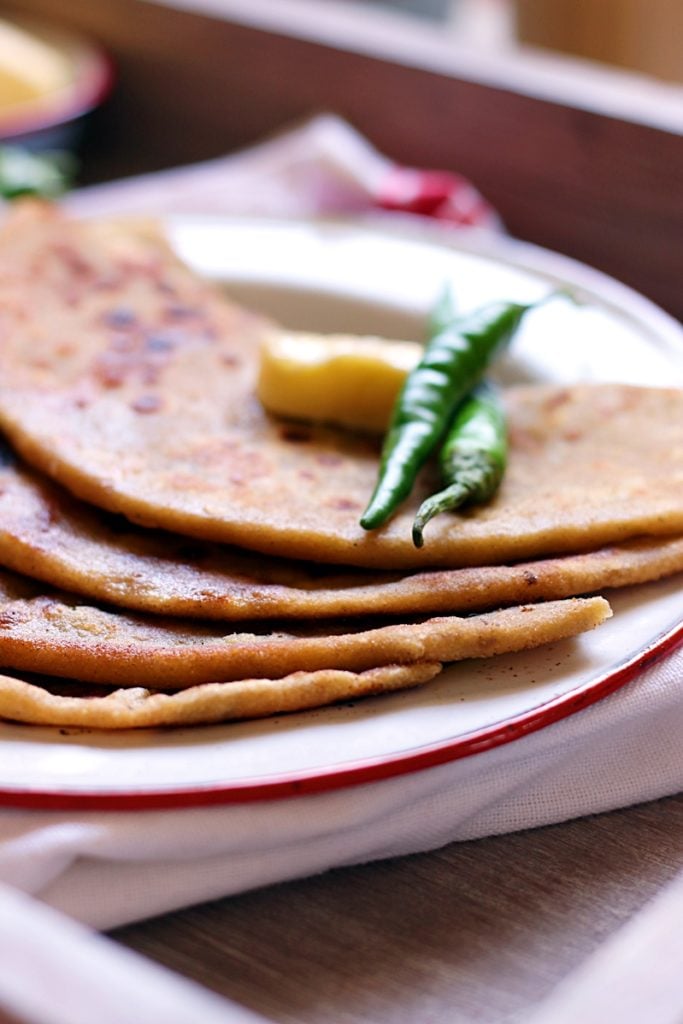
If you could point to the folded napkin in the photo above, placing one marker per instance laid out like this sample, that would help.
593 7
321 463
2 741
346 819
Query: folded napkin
111 868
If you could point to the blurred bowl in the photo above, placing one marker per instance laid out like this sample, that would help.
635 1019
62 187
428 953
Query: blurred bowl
50 80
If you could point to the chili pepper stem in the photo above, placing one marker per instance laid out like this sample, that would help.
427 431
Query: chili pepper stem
447 500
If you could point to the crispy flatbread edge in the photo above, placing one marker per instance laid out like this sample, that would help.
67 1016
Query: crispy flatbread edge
138 708
152 586
165 664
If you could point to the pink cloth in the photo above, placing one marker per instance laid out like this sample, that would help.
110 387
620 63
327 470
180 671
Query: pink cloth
323 167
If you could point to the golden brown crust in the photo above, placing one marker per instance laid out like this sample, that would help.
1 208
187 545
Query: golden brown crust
60 635
153 414
137 708
48 535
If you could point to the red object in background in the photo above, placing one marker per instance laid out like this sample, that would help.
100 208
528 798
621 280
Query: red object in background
439 194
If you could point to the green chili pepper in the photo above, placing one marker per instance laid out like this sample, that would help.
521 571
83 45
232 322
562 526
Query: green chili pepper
454 361
23 173
472 458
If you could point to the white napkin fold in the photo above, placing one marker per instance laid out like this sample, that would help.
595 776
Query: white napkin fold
108 869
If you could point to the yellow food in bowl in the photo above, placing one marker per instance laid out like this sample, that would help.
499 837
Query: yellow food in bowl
50 79
30 68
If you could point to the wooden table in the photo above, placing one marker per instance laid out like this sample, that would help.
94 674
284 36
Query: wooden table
478 931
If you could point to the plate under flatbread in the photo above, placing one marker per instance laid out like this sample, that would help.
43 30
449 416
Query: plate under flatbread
61 635
132 383
49 535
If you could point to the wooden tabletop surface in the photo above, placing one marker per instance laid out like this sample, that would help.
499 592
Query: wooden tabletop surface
477 931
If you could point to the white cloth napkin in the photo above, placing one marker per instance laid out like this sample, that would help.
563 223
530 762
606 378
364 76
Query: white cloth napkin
108 869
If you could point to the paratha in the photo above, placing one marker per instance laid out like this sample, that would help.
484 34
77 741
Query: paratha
53 702
61 635
131 382
47 534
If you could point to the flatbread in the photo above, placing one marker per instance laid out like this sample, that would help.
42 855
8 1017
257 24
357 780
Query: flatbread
132 383
49 535
60 635
137 707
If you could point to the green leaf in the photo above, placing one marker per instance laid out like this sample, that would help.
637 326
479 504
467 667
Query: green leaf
23 173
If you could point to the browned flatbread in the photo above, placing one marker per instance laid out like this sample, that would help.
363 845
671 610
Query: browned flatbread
48 535
137 708
132 383
60 635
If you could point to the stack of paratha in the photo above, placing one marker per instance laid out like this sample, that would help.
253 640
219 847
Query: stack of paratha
172 554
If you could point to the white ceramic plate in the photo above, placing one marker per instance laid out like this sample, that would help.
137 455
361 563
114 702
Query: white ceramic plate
370 277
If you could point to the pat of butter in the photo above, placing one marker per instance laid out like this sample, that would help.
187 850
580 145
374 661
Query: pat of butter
340 379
